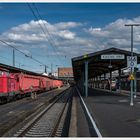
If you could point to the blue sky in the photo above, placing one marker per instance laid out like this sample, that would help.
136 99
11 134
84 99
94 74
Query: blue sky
97 14
74 29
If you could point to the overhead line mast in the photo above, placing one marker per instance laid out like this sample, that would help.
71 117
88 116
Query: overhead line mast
4 42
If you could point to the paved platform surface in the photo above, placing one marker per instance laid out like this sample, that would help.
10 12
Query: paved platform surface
113 114
82 125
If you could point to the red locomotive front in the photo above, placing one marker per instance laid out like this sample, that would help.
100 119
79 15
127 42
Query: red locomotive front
8 86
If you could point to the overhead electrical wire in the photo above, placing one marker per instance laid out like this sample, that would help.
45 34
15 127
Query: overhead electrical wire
4 42
7 59
50 39
31 9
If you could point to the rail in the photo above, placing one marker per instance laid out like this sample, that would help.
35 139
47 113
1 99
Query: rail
48 122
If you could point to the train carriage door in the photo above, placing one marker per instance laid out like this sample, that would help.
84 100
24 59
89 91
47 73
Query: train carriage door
41 84
48 85
21 78
1 83
11 80
5 83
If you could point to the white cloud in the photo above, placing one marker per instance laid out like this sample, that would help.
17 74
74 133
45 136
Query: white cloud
69 38
29 36
98 32
31 31
116 34
66 34
67 25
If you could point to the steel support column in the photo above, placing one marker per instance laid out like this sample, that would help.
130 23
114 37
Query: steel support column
83 79
100 82
86 78
94 81
131 100
119 80
135 85
110 80
104 79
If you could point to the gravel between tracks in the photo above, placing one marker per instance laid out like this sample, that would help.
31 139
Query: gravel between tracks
15 112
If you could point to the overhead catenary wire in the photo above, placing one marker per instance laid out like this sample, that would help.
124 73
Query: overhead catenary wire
37 19
39 22
7 59
50 36
50 39
4 42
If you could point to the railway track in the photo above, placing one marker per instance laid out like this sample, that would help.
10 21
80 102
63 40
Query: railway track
16 114
22 97
50 121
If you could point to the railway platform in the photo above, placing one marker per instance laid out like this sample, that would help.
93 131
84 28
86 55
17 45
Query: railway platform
78 125
122 92
108 111
108 115
112 113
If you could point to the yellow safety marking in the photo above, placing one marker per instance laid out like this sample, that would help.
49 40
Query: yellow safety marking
131 77
85 56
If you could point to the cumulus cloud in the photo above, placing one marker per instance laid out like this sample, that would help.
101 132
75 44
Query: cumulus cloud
31 31
67 25
98 32
66 34
73 38
57 39
116 34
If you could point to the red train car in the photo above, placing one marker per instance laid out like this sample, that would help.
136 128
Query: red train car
28 83
46 83
8 86
57 83
13 85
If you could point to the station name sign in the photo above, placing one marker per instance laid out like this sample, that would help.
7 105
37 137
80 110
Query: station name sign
112 56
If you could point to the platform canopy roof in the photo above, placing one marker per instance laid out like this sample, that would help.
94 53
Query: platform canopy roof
97 65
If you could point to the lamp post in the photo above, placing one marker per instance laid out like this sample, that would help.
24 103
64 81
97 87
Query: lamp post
131 25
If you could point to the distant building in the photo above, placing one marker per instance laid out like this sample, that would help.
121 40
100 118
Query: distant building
55 74
66 72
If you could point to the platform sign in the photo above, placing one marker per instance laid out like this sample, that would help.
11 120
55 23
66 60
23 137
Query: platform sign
131 77
112 56
132 61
